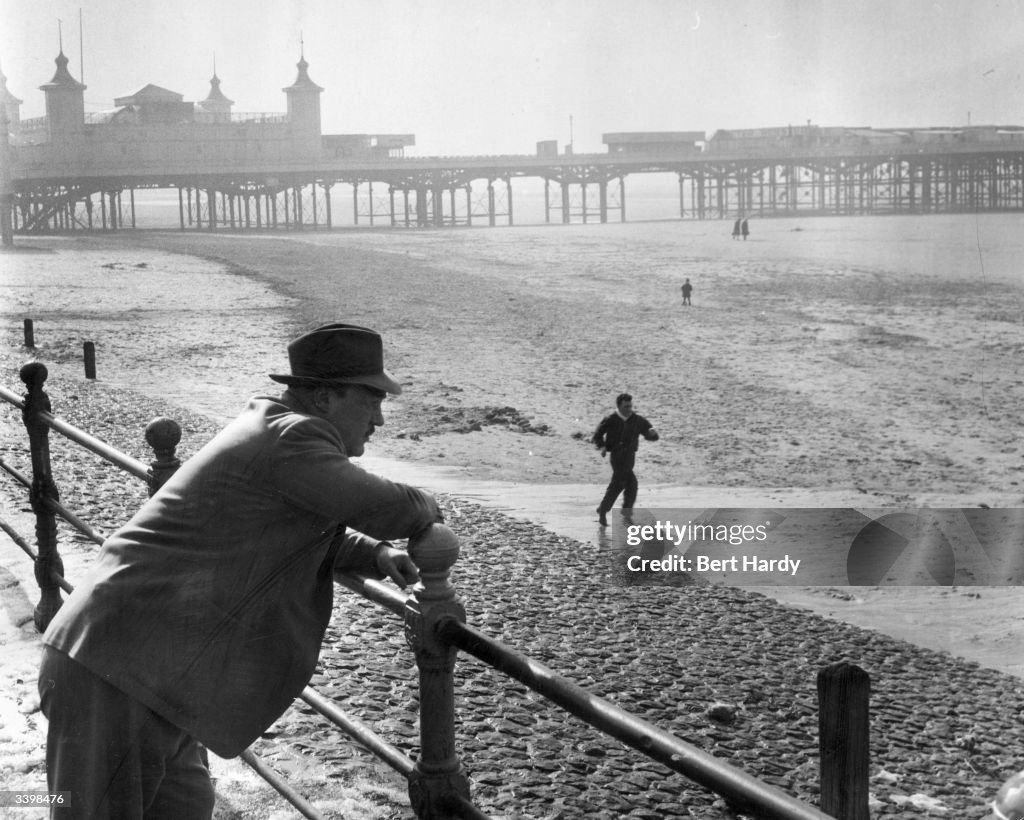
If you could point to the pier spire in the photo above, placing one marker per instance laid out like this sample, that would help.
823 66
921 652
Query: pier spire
304 99
216 107
65 101
10 106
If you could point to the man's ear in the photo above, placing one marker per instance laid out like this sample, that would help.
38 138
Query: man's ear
321 399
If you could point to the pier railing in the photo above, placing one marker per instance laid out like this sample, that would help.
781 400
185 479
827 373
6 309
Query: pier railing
436 626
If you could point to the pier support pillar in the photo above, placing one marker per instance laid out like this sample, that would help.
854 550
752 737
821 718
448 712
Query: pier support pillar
422 192
211 204
438 206
7 220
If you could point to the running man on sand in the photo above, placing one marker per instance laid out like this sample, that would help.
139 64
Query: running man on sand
618 434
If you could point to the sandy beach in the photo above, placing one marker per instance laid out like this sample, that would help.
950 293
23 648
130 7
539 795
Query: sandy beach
870 363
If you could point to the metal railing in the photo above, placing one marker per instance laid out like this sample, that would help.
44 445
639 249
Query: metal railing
435 624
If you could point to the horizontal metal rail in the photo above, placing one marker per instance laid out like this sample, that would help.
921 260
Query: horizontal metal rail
360 732
101 448
281 785
373 590
17 539
737 787
56 507
61 581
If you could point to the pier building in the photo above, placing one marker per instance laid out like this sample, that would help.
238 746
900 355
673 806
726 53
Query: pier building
70 170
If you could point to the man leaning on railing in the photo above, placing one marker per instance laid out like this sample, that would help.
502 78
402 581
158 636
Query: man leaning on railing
203 616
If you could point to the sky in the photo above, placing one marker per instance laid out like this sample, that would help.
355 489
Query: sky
475 77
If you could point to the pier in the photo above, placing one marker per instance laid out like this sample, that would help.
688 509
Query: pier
69 171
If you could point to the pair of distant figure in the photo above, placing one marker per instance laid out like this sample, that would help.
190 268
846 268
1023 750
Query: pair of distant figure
740 228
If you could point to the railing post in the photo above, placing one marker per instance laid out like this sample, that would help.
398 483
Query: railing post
438 774
163 435
843 726
43 489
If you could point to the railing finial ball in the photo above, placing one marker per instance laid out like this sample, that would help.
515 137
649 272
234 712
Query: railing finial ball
434 550
34 374
163 433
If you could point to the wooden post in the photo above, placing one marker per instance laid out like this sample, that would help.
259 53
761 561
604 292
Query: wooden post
43 489
89 354
438 774
843 695
163 435
30 334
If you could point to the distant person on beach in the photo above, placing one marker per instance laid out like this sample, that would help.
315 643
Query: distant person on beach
687 289
202 618
618 435
736 228
745 230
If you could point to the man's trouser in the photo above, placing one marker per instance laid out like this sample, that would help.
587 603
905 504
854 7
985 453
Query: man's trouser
115 758
623 480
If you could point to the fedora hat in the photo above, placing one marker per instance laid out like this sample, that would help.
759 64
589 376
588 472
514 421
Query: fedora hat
338 354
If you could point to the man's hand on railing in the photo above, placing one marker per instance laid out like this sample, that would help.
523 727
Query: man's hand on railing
396 564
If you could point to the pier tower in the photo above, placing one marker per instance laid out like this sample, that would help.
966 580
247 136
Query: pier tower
10 105
216 107
65 103
304 102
